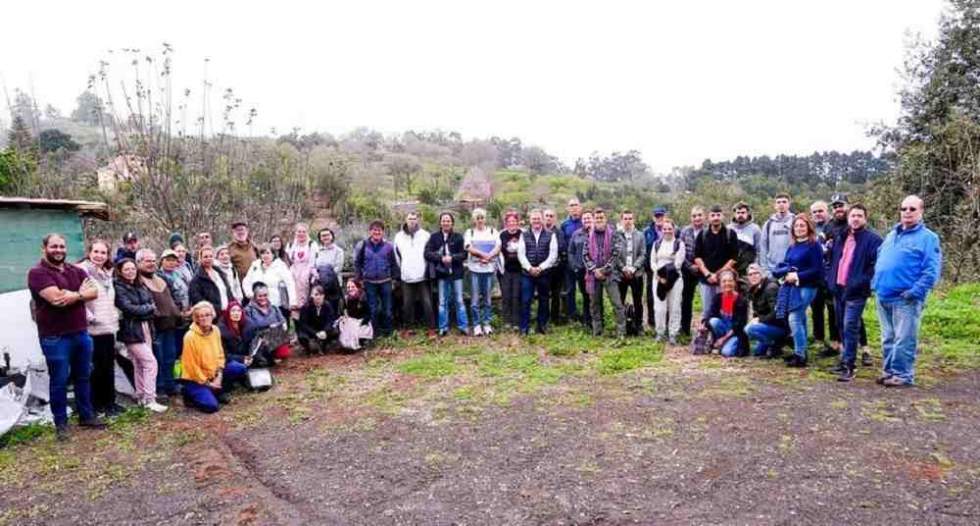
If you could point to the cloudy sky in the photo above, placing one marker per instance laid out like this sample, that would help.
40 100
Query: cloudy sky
679 81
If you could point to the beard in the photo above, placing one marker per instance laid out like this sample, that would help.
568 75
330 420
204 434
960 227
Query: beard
55 259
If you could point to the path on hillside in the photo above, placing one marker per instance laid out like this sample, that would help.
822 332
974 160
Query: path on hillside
693 440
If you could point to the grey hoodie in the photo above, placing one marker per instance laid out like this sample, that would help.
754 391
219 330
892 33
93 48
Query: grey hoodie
777 233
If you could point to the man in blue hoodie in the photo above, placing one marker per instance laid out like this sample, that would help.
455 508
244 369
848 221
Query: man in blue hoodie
908 267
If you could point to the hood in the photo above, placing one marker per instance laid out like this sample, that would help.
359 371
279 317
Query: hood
196 329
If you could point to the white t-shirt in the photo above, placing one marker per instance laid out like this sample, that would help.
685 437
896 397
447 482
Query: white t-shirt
486 241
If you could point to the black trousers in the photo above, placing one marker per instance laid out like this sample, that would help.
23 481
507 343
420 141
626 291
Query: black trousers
824 300
412 294
103 377
556 286
634 285
687 301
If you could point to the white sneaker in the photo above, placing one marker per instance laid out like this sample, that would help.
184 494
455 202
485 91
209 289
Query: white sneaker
477 330
154 406
487 329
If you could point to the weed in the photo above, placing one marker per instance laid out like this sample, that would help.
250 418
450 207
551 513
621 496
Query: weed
633 355
432 365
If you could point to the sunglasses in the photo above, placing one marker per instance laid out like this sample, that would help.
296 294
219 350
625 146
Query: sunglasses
837 205
908 208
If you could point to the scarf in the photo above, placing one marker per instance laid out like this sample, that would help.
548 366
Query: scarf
600 255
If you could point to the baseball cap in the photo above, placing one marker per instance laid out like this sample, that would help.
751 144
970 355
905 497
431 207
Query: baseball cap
129 236
238 222
169 253
838 198
659 211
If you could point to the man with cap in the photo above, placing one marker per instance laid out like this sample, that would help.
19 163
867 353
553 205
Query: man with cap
243 251
715 249
749 237
651 234
837 225
131 244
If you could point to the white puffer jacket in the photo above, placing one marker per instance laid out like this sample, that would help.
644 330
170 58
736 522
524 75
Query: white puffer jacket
277 273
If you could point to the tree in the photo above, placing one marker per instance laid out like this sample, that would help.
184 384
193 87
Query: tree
937 137
19 137
53 140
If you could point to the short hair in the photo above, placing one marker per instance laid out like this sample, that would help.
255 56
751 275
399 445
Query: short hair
783 195
574 201
47 239
317 288
598 210
552 210
512 213
625 211
377 223
817 203
478 212
587 211
409 214
325 229
697 208
811 230
754 267
204 249
144 253
259 285
859 206
534 211
266 247
203 305
729 272
447 213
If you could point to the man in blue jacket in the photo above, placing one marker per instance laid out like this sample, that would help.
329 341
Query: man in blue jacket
571 224
852 264
908 267
376 266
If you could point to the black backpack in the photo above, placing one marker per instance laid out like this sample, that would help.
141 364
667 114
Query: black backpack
631 326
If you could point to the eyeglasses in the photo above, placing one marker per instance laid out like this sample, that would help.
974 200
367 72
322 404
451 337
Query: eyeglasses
908 208
837 205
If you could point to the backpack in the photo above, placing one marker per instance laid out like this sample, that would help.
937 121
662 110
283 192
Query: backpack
701 344
632 329
677 245
327 278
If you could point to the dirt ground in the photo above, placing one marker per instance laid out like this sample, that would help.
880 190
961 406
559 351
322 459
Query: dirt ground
688 440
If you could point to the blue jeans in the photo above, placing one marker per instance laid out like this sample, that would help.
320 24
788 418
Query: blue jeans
203 396
848 314
379 305
165 351
797 321
529 285
452 290
720 326
765 336
481 283
899 337
69 355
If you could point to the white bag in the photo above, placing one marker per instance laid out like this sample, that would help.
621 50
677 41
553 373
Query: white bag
352 331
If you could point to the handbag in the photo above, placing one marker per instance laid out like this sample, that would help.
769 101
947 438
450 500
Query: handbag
701 344
283 295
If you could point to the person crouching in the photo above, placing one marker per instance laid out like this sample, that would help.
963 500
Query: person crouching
205 373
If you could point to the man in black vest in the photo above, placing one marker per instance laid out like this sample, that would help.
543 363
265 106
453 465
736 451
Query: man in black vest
538 253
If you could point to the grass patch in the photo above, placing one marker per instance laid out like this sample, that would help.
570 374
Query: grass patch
432 365
633 355
28 433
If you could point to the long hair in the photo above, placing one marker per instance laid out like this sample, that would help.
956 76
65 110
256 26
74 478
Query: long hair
811 230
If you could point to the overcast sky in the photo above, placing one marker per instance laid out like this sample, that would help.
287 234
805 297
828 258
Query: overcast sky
679 81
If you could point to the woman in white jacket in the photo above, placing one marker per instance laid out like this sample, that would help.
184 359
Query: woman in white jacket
276 275
666 258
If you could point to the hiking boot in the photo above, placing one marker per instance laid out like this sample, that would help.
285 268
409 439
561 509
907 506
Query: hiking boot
839 368
92 423
894 381
828 352
796 362
477 330
866 360
846 375
61 433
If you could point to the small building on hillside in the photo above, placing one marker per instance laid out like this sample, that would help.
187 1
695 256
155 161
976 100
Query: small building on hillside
23 222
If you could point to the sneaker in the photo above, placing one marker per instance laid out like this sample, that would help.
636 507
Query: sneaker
828 352
866 359
839 368
660 338
442 332
93 423
882 378
477 330
796 362
895 381
487 329
846 375
61 433
672 341
155 407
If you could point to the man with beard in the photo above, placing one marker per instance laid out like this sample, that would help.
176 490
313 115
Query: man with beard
688 236
243 251
59 291
749 237
715 249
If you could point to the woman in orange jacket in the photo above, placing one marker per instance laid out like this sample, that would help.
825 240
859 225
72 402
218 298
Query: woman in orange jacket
204 371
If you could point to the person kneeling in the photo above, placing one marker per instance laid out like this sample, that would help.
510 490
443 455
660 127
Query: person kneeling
315 328
727 316
205 373
768 331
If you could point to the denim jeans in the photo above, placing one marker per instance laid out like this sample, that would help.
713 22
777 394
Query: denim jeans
797 321
848 324
765 336
481 283
529 285
165 351
451 290
899 337
708 292
379 305
203 397
69 355
720 326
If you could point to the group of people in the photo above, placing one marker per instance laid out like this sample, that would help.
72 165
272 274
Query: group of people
757 284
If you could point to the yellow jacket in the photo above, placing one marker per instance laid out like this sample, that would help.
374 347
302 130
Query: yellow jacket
203 356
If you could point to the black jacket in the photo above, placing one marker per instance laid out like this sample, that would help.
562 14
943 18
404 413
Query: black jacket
233 344
135 302
311 322
740 318
434 252
203 288
866 245
763 298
